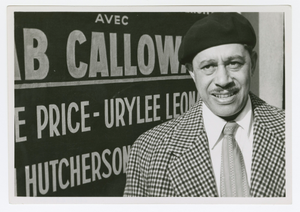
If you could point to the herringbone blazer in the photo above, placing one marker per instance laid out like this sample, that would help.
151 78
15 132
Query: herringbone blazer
173 159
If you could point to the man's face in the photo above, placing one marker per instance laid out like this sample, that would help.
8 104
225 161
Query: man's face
222 76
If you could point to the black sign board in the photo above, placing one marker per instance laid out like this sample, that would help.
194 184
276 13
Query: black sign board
87 84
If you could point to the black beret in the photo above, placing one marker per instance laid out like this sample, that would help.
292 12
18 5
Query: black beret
214 30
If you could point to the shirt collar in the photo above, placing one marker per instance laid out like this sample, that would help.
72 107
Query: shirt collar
214 124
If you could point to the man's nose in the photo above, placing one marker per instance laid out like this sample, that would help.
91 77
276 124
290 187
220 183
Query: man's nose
222 78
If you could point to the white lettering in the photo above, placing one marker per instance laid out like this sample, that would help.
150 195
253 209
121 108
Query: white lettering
156 107
96 169
16 66
107 164
76 72
32 53
120 111
99 18
53 125
85 167
115 69
75 171
184 102
175 104
168 116
98 48
53 163
123 20
117 19
147 108
31 181
84 170
43 190
41 126
71 106
60 174
129 70
117 154
19 122
109 19
111 109
144 41
130 108
168 54
84 116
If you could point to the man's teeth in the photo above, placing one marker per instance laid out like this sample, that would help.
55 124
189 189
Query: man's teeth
223 95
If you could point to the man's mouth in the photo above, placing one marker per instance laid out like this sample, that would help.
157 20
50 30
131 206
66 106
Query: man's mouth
221 96
224 94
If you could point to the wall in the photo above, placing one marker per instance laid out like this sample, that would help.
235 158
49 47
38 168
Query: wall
268 80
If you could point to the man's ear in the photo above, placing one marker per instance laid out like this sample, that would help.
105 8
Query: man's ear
189 67
253 62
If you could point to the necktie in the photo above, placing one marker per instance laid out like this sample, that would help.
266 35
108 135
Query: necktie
233 172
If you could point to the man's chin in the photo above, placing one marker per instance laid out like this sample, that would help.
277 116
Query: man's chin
227 113
230 118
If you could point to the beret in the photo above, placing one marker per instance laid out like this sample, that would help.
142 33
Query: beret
214 30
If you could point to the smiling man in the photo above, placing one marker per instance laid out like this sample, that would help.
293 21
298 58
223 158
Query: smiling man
230 143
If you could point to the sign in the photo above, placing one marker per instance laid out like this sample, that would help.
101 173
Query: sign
87 84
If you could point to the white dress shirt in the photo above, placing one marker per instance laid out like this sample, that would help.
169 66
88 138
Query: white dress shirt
244 136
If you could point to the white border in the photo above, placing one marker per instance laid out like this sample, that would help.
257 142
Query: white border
180 200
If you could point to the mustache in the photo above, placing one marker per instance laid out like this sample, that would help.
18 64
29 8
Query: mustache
233 89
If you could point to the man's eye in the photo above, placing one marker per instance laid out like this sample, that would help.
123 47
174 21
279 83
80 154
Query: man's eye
209 68
234 65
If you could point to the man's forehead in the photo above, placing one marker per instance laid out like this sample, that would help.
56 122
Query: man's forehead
223 51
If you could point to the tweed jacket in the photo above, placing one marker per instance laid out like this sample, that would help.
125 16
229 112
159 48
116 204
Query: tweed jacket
173 158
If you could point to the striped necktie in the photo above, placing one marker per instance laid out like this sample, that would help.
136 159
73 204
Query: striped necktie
233 172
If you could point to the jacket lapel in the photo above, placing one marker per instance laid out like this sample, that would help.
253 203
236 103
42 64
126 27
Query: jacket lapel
268 160
191 171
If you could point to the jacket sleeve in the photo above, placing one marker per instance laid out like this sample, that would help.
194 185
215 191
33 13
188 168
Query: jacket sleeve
135 178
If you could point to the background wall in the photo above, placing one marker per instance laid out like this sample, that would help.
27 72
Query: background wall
268 80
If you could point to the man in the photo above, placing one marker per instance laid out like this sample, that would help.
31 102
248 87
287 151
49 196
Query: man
230 143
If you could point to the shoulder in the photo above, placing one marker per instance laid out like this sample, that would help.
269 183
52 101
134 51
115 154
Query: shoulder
159 135
268 116
261 108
